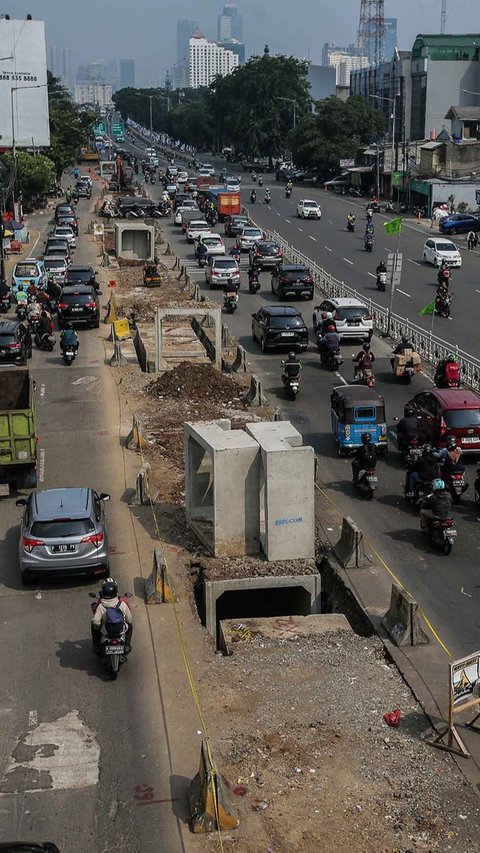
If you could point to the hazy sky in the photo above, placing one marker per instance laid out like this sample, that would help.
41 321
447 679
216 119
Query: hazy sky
145 30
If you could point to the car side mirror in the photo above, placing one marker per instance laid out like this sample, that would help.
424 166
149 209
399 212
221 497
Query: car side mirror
104 496
21 502
99 292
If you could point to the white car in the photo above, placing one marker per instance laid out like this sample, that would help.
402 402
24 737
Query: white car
204 173
438 249
352 317
248 236
208 167
66 232
232 185
196 228
85 179
213 242
181 210
182 177
308 209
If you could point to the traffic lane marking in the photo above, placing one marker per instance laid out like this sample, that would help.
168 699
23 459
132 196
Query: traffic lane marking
312 238
417 263
348 262
300 229
371 274
404 292
327 248
288 220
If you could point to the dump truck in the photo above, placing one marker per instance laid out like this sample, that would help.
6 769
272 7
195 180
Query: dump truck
227 202
18 441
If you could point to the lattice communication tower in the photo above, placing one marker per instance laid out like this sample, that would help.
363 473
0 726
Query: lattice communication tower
371 30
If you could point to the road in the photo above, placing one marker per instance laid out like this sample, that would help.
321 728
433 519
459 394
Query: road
391 525
77 750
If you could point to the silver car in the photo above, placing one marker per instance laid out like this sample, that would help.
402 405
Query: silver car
63 532
248 236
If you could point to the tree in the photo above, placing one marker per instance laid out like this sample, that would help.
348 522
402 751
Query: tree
70 127
35 175
335 131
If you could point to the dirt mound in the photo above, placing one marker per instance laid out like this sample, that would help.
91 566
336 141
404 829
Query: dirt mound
197 383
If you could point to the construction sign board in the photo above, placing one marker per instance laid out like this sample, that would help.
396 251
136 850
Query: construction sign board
464 684
465 678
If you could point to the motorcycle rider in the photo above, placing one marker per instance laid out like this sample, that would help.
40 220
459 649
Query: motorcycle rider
369 215
447 372
351 219
424 470
201 251
68 338
45 326
4 290
444 274
253 273
329 342
381 269
449 457
365 457
405 344
268 197
109 598
438 505
253 197
407 428
21 294
363 361
260 181
291 366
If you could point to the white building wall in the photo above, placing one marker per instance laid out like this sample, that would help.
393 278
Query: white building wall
207 59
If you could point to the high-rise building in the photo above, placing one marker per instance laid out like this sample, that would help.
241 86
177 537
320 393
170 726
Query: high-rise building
127 73
66 69
237 46
230 23
184 31
53 61
344 60
390 37
207 59
92 92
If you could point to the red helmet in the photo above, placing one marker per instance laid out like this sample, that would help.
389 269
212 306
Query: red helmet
330 328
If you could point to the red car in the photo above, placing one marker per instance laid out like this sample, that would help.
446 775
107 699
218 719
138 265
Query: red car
450 412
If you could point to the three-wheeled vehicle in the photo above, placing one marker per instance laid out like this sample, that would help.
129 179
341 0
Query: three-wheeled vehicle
356 409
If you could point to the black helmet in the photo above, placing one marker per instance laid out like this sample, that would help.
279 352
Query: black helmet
109 588
426 449
409 411
291 355
366 347
404 339
68 326
366 437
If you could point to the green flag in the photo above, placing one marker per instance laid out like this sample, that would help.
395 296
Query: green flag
429 309
394 226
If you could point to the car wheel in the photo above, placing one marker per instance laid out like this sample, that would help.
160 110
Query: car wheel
425 258
455 231
96 324
435 262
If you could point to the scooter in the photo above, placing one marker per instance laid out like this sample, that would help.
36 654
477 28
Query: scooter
5 303
350 225
331 360
253 281
260 181
442 304
366 377
288 192
368 244
366 482
202 261
69 354
21 311
381 280
230 302
410 450
112 646
153 179
253 198
44 342
455 483
291 384
442 534
267 199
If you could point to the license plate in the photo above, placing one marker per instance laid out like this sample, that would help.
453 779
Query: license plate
450 531
353 322
26 281
288 334
76 309
372 479
62 549
114 650
473 440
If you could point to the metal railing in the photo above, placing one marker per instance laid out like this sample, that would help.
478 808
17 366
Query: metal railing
431 348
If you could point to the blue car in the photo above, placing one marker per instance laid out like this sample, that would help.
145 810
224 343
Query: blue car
460 223
27 272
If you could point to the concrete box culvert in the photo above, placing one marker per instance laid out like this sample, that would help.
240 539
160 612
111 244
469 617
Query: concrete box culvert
268 596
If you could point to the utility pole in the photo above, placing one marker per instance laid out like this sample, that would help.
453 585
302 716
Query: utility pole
150 98
443 19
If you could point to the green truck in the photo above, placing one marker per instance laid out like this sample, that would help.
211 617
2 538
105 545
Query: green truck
18 441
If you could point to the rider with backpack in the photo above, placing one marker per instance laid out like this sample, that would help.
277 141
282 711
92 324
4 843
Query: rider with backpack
111 608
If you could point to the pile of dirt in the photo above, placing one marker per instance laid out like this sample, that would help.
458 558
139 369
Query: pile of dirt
197 383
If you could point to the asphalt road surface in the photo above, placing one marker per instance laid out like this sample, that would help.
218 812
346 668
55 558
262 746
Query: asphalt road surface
446 587
77 751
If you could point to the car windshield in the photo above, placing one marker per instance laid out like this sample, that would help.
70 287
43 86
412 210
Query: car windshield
212 241
295 275
446 247
226 265
62 528
252 232
268 248
77 298
310 204
6 338
353 312
26 270
79 275
462 418
289 320
55 264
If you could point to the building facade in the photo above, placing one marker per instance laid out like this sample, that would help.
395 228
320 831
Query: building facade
236 46
385 83
207 59
230 23
344 60
90 92
127 74
390 37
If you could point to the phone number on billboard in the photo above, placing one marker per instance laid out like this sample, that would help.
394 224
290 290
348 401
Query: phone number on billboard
24 78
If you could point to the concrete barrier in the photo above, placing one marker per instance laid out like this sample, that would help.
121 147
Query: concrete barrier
111 314
118 359
239 362
158 589
255 395
350 549
142 494
135 439
402 619
208 798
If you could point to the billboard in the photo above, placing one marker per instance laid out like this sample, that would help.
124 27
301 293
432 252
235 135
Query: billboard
23 84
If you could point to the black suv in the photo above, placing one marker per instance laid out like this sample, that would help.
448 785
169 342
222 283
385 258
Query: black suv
15 342
279 326
264 254
78 304
292 280
234 224
82 275
83 190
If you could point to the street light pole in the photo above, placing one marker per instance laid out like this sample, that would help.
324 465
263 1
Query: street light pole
150 98
291 101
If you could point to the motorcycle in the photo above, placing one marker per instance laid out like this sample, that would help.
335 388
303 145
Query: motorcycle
253 282
410 450
260 181
442 534
153 179
112 642
202 261
443 381
267 199
351 225
291 384
422 490
404 372
331 359
253 176
455 483
368 244
366 377
253 197
5 303
381 280
389 208
45 342
230 302
21 311
69 355
288 192
442 304
366 482
135 214
33 322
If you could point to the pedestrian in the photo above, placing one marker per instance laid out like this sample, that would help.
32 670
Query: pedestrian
471 240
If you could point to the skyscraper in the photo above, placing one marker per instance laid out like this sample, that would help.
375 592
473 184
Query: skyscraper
230 23
53 61
207 59
127 73
184 31
390 37
66 69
